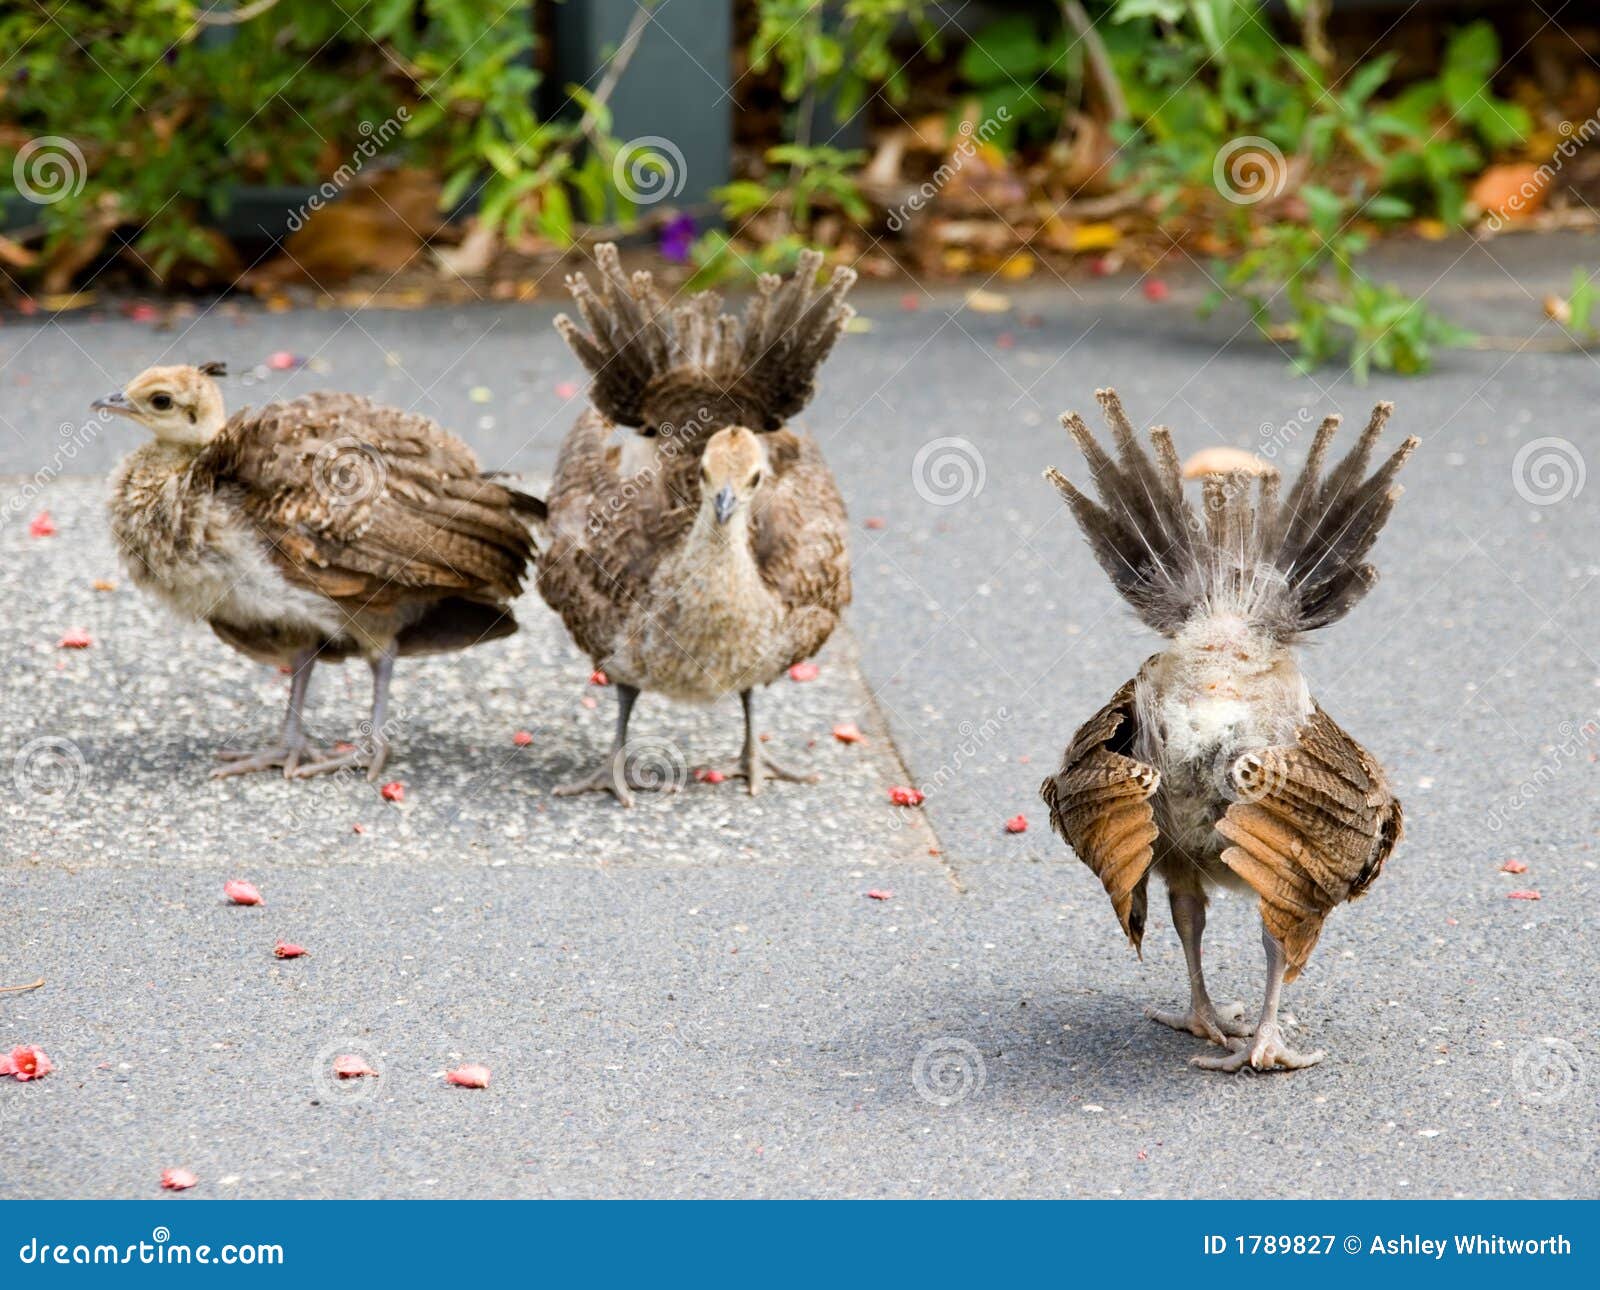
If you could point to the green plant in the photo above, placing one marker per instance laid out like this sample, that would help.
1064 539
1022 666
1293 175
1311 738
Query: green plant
1228 119
1019 78
170 114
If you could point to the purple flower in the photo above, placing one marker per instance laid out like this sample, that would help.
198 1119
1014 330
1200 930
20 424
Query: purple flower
676 237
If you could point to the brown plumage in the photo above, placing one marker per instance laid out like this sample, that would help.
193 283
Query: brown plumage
1214 767
706 552
315 529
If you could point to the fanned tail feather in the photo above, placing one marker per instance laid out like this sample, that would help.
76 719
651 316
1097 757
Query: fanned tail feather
1290 566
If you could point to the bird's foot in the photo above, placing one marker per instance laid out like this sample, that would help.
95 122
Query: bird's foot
1264 1051
371 758
1208 1022
240 762
755 767
614 776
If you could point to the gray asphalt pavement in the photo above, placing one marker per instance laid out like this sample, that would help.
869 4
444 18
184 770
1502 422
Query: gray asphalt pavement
699 998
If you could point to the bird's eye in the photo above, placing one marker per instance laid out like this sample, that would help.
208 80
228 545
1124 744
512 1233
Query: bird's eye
755 479
161 402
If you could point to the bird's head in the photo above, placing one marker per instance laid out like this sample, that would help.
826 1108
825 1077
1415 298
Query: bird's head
179 405
732 466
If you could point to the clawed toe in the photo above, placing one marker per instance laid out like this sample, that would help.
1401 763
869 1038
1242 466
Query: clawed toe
1213 1025
756 768
371 759
1266 1051
605 779
240 762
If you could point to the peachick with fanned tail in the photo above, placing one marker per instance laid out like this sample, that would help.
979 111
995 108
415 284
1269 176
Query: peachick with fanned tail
1214 767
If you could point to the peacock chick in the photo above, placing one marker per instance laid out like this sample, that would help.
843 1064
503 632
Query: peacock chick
705 553
314 530
1214 768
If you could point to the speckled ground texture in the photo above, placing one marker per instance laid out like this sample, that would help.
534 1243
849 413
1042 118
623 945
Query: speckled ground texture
698 997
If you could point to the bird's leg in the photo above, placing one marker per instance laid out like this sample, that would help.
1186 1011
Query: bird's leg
291 745
1266 1049
1203 1019
754 765
611 775
375 754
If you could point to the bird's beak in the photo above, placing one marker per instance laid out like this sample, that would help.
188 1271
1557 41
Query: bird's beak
116 401
725 502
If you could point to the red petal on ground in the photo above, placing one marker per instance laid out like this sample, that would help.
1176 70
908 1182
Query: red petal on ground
178 1179
873 522
911 302
878 893
566 390
288 950
282 361
522 739
903 796
847 732
469 1076
1513 866
42 525
393 791
76 638
1523 895
588 702
714 777
804 672
597 677
1005 340
142 312
1156 289
1017 824
358 828
241 892
26 1062
349 1066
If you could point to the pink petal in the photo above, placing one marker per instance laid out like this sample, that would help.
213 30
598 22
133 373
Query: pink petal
1156 289
1522 895
393 791
847 732
76 638
42 525
566 390
241 892
27 1061
469 1076
804 672
597 677
288 950
874 522
178 1179
282 361
522 739
878 893
358 828
349 1066
1017 824
142 312
902 796
910 302
588 702
1513 866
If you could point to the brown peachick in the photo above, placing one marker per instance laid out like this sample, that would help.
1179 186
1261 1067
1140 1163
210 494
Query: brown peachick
314 530
705 552
1214 767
